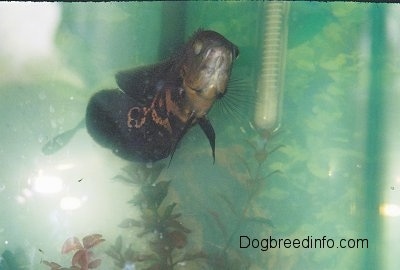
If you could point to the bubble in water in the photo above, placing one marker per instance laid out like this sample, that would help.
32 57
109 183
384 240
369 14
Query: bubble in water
2 187
51 109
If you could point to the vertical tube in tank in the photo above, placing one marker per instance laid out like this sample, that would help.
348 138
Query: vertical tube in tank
270 80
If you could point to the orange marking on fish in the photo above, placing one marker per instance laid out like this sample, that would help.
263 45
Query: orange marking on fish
140 121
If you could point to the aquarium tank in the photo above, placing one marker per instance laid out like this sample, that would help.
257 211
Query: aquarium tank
306 171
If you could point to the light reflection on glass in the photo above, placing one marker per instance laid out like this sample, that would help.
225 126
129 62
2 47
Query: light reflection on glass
389 210
47 184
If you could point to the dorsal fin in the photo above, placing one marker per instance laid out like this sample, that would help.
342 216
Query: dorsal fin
143 83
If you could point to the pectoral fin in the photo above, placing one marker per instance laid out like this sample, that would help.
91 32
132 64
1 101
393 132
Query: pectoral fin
180 136
209 131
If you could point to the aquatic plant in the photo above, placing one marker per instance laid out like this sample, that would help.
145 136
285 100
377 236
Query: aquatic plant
16 260
229 257
168 235
83 256
234 211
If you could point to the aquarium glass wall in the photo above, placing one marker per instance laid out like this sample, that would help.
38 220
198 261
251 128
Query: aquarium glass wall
306 171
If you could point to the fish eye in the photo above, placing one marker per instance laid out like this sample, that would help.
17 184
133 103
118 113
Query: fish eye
197 46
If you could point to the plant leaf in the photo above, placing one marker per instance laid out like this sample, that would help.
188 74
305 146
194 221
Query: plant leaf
118 244
124 179
129 223
155 266
92 240
229 203
53 265
80 258
177 239
220 224
113 254
168 210
260 220
193 256
155 172
71 244
173 223
94 264
175 216
156 193
145 257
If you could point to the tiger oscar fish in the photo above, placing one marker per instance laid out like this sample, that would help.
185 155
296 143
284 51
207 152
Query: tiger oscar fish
146 117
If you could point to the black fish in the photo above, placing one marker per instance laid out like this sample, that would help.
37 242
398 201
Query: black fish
155 105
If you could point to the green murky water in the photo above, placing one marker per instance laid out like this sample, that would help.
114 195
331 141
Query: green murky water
328 173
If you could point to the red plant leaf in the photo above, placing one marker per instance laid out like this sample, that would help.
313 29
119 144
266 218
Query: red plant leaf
177 239
71 244
92 240
94 264
81 258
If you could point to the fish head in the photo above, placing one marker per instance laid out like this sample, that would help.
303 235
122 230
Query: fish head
206 69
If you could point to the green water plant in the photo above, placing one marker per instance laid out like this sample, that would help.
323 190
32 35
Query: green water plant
17 260
167 235
241 215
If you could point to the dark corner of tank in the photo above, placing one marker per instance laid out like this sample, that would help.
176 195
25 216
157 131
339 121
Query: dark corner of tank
294 166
